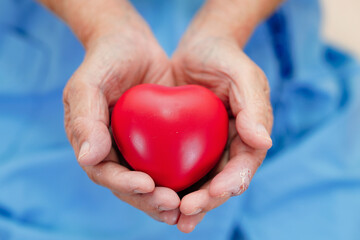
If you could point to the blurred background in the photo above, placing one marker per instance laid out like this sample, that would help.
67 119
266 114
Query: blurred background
341 24
30 205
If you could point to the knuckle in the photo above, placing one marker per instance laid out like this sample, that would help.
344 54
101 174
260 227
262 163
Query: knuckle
260 97
122 184
67 112
68 91
259 74
94 173
77 127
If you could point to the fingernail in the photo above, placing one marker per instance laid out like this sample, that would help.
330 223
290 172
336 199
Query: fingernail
84 150
262 132
196 211
137 191
170 218
162 208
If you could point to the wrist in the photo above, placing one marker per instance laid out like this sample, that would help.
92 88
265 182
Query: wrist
108 19
235 19
91 20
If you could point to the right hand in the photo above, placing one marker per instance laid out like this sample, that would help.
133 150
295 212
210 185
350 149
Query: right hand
115 61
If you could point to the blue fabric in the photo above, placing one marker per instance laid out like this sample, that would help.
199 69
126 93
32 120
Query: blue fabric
307 188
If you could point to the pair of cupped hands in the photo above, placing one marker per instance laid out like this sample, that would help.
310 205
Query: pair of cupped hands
118 60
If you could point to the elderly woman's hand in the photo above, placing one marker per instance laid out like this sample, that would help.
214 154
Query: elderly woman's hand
120 52
210 54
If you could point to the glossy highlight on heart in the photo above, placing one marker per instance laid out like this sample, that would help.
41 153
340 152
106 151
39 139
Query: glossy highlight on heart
174 134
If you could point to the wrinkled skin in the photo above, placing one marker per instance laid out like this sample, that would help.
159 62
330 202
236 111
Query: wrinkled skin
220 65
107 71
121 52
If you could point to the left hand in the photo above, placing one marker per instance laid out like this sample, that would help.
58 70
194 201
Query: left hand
218 63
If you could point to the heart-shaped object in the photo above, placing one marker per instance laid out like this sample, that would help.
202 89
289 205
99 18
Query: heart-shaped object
174 134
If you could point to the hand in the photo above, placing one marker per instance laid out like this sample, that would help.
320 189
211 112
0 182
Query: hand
218 63
118 56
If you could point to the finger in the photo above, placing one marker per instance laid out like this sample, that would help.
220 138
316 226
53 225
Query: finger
161 204
161 199
170 217
187 224
161 74
249 99
119 179
235 178
136 188
199 201
86 120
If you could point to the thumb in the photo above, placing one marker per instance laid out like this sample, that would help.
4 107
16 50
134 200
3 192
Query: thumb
86 120
250 103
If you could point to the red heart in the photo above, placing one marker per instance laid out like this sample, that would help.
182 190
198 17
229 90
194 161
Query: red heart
174 134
